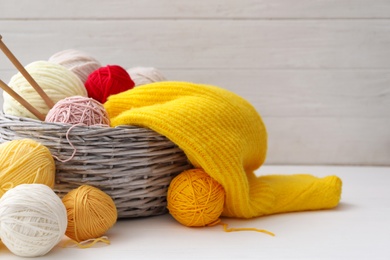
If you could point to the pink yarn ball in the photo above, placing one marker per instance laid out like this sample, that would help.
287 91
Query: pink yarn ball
78 110
80 63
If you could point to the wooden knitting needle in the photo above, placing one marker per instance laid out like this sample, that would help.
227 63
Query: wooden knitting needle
25 74
21 100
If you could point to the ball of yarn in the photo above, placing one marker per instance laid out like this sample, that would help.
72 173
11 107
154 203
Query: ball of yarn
76 61
91 213
56 80
32 220
145 75
78 110
195 199
106 81
25 161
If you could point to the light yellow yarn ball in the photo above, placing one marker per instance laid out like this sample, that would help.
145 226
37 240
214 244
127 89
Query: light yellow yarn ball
25 161
57 81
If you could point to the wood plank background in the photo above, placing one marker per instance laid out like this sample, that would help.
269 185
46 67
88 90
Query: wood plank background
317 71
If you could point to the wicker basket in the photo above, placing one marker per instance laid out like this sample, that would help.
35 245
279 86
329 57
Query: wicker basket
133 165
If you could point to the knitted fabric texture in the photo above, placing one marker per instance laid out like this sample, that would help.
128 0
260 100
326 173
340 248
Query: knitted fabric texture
224 135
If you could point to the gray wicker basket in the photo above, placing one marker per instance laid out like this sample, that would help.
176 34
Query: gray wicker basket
134 165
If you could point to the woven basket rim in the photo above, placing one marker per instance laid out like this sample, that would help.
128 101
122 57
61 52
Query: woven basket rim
63 125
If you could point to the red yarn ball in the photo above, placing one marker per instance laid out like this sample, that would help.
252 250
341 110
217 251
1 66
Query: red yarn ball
106 81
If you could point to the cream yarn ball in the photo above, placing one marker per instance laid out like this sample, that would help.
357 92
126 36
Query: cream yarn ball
33 220
76 61
57 81
145 75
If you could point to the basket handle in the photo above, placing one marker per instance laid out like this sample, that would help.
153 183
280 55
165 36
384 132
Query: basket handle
25 74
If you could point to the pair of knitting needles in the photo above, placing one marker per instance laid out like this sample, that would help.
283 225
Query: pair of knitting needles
30 79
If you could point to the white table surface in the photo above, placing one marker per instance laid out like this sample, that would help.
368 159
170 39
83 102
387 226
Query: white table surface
359 228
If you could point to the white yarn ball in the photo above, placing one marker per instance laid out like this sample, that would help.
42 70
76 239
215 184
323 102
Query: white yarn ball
33 219
76 61
145 75
57 81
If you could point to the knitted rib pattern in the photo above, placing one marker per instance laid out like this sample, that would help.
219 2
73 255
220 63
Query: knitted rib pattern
224 135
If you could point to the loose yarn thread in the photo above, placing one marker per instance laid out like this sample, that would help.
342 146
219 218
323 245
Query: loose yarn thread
106 81
145 75
227 229
91 213
56 80
87 243
32 220
25 161
80 63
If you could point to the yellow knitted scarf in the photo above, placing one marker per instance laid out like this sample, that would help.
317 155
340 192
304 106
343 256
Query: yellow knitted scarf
224 135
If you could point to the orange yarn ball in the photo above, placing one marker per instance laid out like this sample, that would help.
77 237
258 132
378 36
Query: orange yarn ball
195 199
91 213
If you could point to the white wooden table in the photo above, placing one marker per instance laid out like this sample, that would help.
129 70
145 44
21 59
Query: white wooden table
358 229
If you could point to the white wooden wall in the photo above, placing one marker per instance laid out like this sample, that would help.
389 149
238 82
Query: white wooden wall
318 71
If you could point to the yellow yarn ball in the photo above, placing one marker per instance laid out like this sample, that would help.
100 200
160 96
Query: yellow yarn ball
195 199
91 213
25 161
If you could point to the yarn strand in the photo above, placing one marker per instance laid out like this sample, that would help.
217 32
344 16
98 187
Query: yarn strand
87 243
226 229
70 143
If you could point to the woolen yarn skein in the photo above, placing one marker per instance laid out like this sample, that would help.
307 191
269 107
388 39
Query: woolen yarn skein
106 81
79 62
91 213
56 80
78 110
195 199
145 75
32 220
25 161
